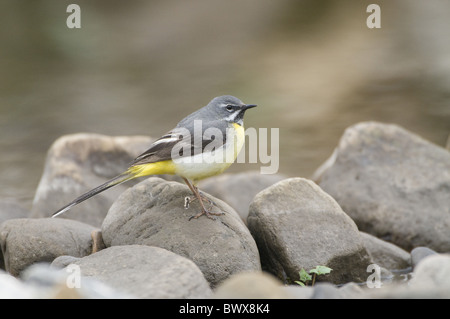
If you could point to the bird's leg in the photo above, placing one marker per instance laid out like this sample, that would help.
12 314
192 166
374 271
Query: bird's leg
189 199
201 198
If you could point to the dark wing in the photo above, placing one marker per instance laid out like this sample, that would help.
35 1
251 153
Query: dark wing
161 149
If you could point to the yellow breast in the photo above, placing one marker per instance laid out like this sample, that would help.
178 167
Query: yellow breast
239 134
199 166
206 165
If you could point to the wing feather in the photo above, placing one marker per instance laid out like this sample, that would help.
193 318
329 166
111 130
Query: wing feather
161 149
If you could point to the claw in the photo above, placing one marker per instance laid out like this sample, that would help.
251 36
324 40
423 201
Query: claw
211 204
207 214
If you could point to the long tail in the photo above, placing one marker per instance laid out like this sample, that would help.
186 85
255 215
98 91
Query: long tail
126 176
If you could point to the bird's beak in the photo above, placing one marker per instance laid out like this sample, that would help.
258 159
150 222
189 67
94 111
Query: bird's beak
248 106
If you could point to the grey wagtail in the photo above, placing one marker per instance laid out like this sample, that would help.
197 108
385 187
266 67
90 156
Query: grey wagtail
184 153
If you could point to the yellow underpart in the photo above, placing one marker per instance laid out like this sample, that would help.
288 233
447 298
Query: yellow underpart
216 164
158 168
240 138
196 171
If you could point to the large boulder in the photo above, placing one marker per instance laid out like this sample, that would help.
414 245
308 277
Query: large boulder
393 184
26 241
297 225
430 279
79 162
252 285
152 213
420 253
10 209
143 272
433 271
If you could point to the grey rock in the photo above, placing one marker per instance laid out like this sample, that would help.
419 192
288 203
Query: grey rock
238 190
39 281
297 225
13 288
79 162
408 292
10 209
434 271
393 184
152 213
325 290
298 292
51 283
144 272
419 253
385 254
28 241
251 285
431 279
64 261
351 290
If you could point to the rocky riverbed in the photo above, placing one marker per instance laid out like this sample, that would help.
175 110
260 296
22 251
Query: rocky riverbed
377 213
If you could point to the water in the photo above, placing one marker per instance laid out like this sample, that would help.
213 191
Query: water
138 67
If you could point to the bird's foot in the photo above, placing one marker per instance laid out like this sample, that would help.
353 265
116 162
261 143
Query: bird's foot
207 212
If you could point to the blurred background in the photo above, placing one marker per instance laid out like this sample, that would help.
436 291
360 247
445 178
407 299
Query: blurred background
137 67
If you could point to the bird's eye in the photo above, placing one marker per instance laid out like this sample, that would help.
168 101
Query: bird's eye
229 108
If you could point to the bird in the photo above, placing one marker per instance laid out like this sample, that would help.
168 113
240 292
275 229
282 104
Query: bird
203 144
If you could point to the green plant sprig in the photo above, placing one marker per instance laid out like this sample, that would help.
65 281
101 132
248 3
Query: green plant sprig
306 276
